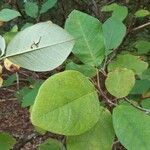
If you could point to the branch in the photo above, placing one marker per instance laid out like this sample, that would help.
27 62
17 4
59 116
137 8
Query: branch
100 91
138 107
141 27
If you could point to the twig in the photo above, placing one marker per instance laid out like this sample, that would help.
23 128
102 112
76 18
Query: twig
17 78
141 26
100 91
138 107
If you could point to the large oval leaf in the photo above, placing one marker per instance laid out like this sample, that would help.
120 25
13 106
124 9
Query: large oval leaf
132 127
67 103
41 47
87 31
120 82
100 137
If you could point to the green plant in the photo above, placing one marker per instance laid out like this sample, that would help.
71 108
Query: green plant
74 102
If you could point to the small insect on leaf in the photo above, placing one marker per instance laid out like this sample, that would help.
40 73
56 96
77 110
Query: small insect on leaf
11 66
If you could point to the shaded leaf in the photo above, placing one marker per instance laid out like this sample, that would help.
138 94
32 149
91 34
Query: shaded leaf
6 141
31 9
8 14
119 12
146 74
87 31
142 46
130 62
146 103
140 87
113 32
10 35
28 99
51 144
67 104
10 80
87 70
120 82
100 137
47 5
132 127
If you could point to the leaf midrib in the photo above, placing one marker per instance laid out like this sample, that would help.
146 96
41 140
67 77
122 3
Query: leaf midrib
67 103
36 49
86 41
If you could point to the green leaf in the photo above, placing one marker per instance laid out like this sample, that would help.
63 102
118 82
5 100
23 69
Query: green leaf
26 25
87 31
8 14
130 62
100 137
113 31
146 103
142 13
31 9
132 127
41 47
28 99
6 141
110 7
87 70
143 47
11 34
2 46
146 74
119 12
51 144
47 5
67 104
10 80
120 82
140 87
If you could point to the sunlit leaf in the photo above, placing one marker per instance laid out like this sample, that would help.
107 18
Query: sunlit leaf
67 104
120 82
41 47
142 13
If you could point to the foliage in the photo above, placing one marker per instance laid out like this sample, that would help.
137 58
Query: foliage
69 108
6 141
51 144
130 124
99 81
